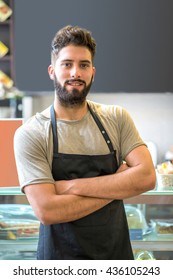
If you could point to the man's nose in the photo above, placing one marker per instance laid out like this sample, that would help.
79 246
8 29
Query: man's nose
75 72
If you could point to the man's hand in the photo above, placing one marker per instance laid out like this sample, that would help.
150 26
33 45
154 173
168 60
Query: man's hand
62 186
122 167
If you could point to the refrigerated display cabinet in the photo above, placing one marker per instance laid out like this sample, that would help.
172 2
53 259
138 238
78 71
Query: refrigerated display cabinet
154 205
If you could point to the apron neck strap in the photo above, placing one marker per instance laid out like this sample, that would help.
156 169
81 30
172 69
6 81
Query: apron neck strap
102 129
54 128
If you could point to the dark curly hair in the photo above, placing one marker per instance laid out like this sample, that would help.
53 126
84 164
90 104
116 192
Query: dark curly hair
72 35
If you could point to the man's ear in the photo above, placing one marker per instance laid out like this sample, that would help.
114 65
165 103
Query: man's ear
51 71
94 72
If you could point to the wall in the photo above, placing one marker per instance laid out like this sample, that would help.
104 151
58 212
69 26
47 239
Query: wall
134 42
152 113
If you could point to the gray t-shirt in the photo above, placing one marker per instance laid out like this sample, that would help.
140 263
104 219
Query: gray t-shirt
33 142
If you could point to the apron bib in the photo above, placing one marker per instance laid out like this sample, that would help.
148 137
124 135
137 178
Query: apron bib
101 235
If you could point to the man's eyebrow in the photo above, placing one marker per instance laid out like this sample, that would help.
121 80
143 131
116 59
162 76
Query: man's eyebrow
86 61
66 60
71 60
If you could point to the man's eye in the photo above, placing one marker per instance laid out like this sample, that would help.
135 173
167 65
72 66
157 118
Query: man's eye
84 65
66 65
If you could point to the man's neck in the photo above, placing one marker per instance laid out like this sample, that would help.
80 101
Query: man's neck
75 112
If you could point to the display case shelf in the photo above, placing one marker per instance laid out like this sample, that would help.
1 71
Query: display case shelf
152 245
10 191
152 197
19 245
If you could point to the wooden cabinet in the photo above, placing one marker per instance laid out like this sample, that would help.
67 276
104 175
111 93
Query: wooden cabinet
7 37
11 105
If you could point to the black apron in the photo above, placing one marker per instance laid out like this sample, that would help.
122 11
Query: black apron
101 235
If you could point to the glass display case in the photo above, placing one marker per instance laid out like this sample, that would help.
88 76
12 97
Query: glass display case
19 227
157 208
151 233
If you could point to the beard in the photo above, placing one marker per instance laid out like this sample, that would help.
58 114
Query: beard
71 98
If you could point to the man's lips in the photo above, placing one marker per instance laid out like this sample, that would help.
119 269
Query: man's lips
75 82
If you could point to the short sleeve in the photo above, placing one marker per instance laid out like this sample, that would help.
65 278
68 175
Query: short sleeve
30 152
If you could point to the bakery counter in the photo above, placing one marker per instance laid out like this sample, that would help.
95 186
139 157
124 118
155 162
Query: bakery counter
18 242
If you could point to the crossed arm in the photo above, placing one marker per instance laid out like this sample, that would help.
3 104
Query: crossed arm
131 179
51 208
73 199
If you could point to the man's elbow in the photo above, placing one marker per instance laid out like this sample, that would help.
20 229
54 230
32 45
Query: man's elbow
151 180
44 219
47 216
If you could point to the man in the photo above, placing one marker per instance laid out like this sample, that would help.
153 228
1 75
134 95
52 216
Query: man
78 160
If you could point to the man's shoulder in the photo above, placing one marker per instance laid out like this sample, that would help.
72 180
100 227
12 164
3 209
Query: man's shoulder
34 127
105 109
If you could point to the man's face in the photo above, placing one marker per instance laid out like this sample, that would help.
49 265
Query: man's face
72 74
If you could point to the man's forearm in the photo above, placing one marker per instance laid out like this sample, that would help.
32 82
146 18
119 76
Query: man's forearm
133 178
128 183
74 207
52 208
116 186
